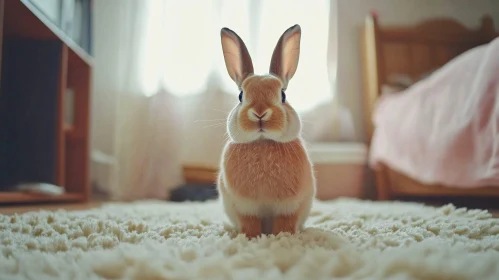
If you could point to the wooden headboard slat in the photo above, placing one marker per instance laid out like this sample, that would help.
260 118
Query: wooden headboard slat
418 37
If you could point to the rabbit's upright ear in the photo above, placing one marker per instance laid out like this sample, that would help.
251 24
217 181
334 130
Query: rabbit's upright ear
286 54
236 56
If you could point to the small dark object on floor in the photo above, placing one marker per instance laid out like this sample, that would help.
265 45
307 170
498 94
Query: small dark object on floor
194 192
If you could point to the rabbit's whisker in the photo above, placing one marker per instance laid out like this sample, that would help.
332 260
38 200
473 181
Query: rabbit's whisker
215 125
226 112
210 120
226 138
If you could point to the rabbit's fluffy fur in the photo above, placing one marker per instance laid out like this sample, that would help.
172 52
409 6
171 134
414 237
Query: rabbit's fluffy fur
266 179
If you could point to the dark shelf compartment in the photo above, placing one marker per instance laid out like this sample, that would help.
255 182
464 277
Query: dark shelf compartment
38 64
28 114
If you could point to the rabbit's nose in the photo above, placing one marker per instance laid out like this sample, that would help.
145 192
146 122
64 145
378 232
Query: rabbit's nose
260 115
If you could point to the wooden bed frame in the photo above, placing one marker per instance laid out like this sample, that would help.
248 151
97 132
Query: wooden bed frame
414 51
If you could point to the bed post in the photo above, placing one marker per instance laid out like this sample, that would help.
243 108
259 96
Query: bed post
487 27
382 183
372 71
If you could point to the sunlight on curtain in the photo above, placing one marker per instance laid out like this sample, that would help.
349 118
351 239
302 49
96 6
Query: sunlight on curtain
236 16
153 47
182 44
310 85
179 46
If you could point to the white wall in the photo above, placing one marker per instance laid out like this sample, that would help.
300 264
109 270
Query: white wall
351 16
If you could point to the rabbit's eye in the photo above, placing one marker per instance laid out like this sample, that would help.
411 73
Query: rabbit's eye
241 96
283 96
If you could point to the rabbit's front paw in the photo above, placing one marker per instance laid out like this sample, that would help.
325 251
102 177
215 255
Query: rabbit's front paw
251 226
285 223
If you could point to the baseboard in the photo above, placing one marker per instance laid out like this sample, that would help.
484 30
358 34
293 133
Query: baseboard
338 153
199 174
320 153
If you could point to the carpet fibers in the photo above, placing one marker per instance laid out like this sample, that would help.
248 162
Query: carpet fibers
346 238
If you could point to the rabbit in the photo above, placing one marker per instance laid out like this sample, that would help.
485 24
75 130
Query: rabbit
265 181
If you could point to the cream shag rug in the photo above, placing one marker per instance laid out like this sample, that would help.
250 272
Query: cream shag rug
346 238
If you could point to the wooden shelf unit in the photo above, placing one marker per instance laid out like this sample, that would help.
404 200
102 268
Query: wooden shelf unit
38 64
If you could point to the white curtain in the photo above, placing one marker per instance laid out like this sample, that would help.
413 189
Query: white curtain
161 90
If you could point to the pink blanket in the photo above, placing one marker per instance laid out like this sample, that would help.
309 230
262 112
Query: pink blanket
445 128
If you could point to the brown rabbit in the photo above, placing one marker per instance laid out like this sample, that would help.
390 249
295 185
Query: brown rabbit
266 178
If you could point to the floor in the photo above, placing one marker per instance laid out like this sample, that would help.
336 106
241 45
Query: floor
146 241
9 210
